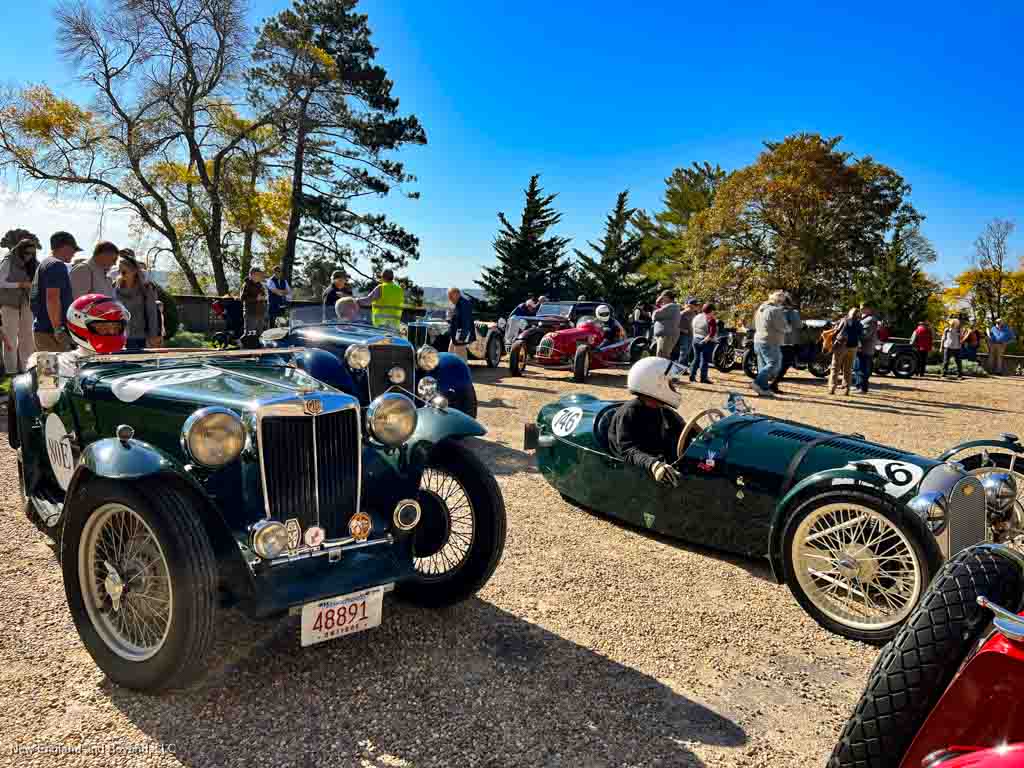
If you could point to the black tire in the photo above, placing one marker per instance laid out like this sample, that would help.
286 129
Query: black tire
494 349
893 517
469 403
173 517
904 366
912 672
488 541
517 359
581 364
639 348
724 356
750 363
821 366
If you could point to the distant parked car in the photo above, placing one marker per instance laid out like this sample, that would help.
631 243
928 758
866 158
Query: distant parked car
432 330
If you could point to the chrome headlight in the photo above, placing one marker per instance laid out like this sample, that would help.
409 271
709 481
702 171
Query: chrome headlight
357 357
269 539
273 334
392 418
427 358
427 387
931 508
213 436
1000 492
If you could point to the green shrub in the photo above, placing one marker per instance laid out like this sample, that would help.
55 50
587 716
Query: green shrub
970 369
186 338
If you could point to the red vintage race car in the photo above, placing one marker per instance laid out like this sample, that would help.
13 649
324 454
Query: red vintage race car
596 341
946 692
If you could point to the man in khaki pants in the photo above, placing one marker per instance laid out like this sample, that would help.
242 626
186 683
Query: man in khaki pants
999 335
461 328
50 296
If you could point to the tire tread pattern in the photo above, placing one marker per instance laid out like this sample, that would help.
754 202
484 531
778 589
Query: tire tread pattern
914 669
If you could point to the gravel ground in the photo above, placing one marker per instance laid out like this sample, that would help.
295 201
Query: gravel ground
593 645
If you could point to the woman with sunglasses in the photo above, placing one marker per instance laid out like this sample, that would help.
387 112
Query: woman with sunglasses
16 273
133 289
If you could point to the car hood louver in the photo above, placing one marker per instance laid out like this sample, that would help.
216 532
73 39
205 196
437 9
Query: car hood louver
839 443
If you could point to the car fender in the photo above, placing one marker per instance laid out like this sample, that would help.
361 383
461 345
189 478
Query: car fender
453 377
23 414
841 478
1013 446
326 367
434 425
132 460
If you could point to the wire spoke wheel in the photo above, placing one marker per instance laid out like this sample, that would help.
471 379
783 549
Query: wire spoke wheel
125 581
856 566
448 528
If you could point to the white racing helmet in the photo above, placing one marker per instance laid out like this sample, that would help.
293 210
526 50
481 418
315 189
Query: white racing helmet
657 378
603 313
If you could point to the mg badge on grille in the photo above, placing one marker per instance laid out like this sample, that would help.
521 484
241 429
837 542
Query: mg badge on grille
294 533
968 490
312 407
359 526
314 536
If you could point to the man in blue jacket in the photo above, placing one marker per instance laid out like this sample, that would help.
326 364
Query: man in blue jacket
461 329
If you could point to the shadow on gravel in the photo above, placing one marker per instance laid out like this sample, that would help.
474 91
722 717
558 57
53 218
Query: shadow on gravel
855 402
502 459
471 685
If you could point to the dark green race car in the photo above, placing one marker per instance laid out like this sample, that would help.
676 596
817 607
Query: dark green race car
856 529
174 484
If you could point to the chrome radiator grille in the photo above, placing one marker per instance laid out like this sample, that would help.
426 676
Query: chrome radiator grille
311 468
968 515
384 357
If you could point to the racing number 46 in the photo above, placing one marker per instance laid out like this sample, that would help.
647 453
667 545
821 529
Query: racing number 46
341 616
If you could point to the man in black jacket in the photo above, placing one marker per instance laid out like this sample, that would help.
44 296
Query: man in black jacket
645 430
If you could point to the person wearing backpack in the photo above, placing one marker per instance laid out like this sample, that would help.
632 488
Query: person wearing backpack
845 340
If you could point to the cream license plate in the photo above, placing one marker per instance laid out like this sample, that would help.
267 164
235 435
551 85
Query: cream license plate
339 616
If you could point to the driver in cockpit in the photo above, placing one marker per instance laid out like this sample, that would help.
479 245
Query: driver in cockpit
612 330
645 430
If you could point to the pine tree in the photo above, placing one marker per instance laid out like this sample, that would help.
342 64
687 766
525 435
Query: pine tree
613 273
896 286
529 262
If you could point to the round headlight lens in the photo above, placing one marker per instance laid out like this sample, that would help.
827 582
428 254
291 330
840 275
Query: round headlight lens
213 437
392 418
427 358
357 356
931 507
427 387
1000 491
269 539
396 375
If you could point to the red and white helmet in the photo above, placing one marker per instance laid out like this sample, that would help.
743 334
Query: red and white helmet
98 323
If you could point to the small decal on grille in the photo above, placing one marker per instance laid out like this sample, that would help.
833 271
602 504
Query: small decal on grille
294 532
314 536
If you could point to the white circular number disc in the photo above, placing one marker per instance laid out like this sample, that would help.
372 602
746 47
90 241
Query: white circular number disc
58 448
566 421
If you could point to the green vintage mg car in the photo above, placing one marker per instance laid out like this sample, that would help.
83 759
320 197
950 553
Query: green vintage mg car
176 484
855 528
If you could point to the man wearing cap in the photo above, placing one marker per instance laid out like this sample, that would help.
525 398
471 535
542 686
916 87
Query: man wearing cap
690 311
50 295
338 289
279 293
91 275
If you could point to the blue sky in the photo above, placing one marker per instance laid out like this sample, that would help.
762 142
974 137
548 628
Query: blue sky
600 96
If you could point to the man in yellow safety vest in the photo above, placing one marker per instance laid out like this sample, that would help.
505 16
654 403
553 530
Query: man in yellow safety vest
386 301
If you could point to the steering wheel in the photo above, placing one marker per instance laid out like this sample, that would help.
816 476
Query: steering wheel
710 415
